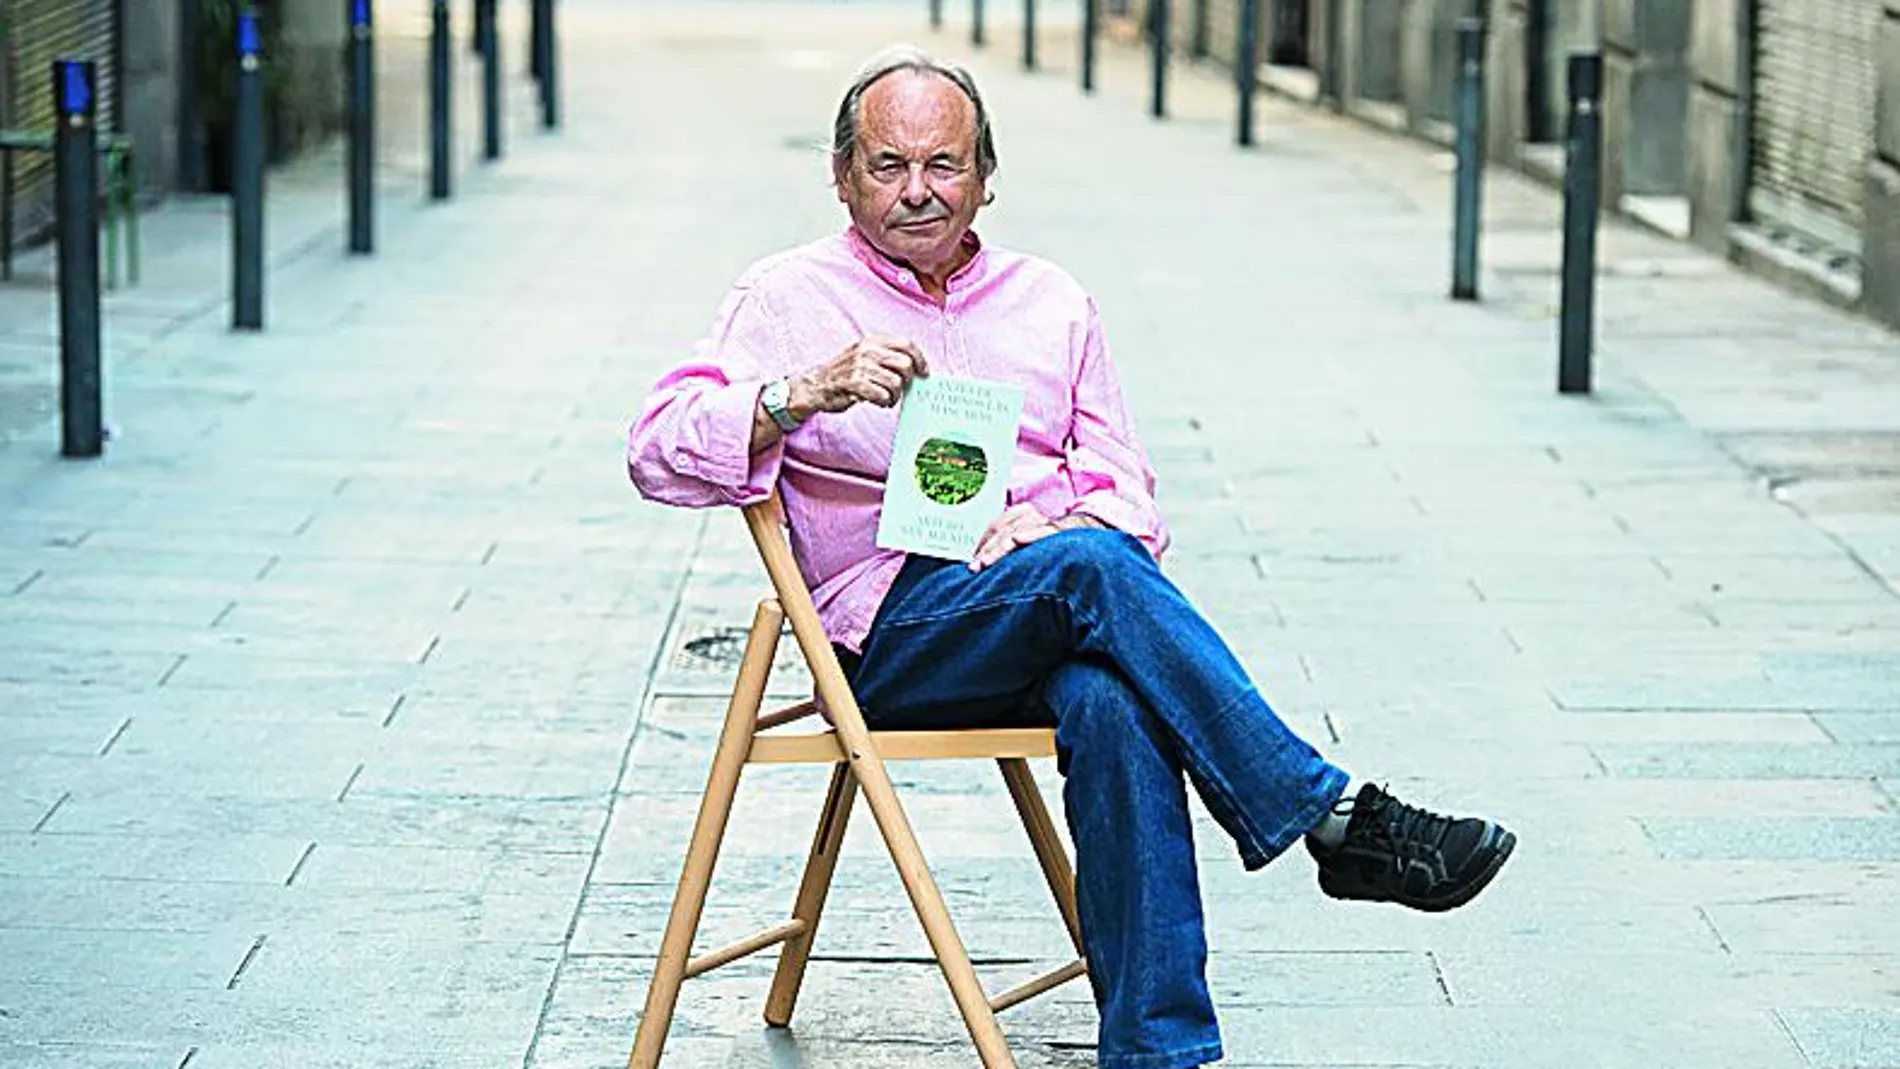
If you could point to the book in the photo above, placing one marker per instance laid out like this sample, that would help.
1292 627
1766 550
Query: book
950 465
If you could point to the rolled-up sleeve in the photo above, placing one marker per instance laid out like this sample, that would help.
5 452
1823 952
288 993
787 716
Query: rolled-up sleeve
1113 480
692 443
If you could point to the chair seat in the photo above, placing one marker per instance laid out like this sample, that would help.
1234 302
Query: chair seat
824 747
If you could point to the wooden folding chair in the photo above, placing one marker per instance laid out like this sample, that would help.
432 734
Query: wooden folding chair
859 755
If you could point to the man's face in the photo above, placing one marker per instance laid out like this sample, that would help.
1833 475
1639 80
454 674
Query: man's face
912 185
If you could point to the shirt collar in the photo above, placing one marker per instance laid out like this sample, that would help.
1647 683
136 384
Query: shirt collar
899 275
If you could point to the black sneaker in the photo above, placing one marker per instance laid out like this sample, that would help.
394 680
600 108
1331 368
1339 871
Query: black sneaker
1394 852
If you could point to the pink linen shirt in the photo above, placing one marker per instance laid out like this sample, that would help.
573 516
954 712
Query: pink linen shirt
1006 317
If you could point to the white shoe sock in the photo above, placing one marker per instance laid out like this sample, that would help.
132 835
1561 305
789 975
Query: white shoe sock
1331 829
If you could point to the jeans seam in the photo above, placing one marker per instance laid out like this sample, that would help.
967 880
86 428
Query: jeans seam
1205 1052
981 606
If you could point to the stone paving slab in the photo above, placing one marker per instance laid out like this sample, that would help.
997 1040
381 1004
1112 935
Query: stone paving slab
357 659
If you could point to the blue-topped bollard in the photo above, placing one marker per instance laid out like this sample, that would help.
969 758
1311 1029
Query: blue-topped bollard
1029 35
247 179
75 159
1583 154
1158 38
440 94
1244 70
362 128
1088 44
491 80
549 70
1467 203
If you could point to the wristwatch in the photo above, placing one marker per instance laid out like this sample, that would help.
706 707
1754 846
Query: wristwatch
776 399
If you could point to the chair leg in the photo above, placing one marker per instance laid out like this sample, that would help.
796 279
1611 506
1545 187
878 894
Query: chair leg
925 897
735 740
1044 838
825 845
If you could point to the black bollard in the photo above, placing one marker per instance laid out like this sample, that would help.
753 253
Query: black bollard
976 23
247 179
1583 148
1088 45
1158 36
537 26
1029 35
491 81
549 68
1245 68
440 93
362 129
1332 79
76 179
478 25
1468 189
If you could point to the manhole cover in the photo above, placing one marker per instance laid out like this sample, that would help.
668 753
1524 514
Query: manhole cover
716 649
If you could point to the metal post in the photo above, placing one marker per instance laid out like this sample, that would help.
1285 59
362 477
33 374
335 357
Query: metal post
550 68
439 99
1583 145
1029 35
1088 44
1537 71
1467 196
1158 35
191 140
362 129
478 25
491 81
247 179
75 162
1245 68
537 28
976 23
1333 77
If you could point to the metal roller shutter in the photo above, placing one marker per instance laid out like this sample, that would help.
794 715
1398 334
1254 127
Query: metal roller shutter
1811 126
39 32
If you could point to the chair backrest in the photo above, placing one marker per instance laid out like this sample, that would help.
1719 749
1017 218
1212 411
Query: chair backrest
766 520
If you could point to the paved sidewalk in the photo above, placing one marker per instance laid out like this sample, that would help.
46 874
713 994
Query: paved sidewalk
353 709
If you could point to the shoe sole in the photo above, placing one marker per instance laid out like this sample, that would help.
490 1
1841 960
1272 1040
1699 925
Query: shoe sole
1440 905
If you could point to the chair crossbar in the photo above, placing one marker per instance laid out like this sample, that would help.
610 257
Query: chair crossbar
787 715
1043 984
827 748
752 944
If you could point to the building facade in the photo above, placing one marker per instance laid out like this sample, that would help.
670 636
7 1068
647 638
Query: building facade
164 71
1765 130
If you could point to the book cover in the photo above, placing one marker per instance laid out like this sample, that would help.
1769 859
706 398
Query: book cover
950 466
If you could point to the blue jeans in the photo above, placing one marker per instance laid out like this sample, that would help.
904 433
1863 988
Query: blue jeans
1081 629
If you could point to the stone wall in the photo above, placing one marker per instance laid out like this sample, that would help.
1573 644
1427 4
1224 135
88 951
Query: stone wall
152 84
314 35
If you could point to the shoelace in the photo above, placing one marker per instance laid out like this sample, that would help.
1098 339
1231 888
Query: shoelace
1408 828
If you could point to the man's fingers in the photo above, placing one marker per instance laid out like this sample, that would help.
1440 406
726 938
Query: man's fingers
1019 525
918 365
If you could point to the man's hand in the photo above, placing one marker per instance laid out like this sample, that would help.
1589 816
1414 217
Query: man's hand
1019 525
874 369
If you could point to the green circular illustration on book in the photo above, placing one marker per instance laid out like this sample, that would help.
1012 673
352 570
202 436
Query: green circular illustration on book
950 473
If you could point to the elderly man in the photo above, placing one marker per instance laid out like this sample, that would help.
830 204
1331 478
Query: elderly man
1063 615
